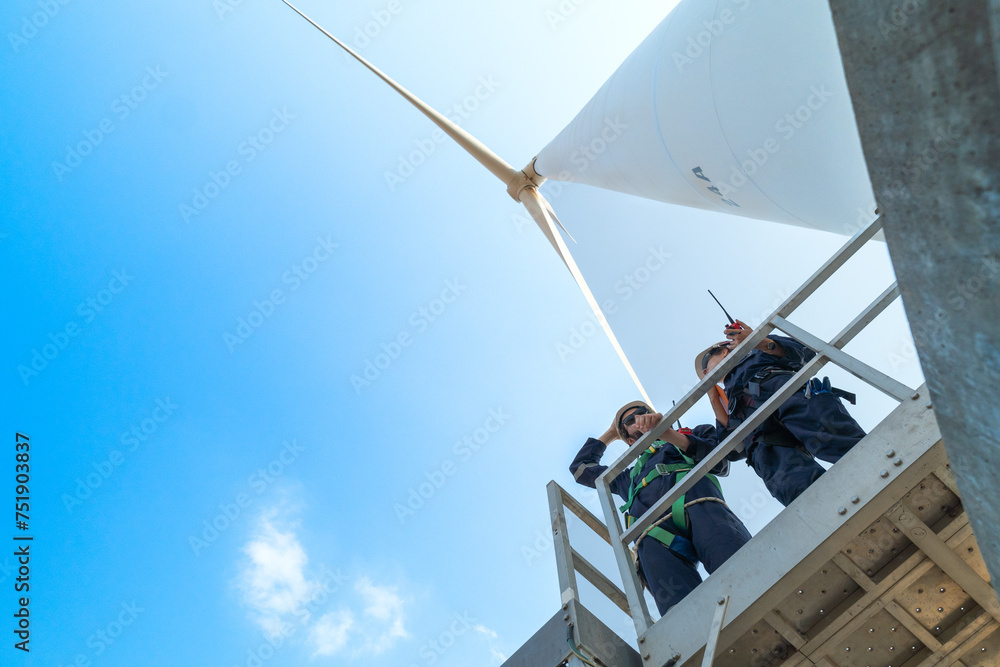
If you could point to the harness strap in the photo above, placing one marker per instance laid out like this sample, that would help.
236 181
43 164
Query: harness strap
662 469
668 539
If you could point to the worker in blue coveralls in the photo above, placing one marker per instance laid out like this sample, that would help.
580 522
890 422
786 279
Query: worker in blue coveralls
812 424
699 527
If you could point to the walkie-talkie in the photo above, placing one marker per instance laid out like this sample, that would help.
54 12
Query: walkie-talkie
681 429
733 324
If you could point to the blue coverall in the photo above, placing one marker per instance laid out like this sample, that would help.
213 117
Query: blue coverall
713 530
781 450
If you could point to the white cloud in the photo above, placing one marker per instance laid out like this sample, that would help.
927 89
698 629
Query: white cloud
282 595
330 634
273 579
492 638
385 606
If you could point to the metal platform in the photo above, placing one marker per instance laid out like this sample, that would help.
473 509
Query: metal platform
550 646
874 565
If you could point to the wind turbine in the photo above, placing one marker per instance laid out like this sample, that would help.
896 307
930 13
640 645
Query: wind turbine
522 186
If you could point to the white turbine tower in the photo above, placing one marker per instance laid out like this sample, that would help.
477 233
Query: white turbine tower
521 185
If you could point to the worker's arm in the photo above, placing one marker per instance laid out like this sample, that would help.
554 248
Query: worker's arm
770 346
720 410
586 467
779 347
645 423
702 440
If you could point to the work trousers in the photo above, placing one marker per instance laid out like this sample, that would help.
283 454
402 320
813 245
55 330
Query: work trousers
802 428
716 534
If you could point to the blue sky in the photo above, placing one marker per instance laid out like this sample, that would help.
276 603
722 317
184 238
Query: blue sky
205 258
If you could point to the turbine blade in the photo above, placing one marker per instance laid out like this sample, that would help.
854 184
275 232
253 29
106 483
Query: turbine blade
497 166
552 213
539 210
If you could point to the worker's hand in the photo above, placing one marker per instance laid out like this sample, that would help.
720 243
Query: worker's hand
736 335
610 435
645 423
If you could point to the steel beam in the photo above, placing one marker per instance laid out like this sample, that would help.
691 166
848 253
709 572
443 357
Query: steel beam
924 80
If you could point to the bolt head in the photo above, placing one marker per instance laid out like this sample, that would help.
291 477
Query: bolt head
842 510
722 600
929 406
897 462
883 473
889 454
645 657
915 396
855 500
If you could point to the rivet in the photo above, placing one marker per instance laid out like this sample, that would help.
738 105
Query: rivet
855 500
889 454
722 600
883 473
940 608
566 617
842 510
929 406
897 461
915 396
645 657
642 640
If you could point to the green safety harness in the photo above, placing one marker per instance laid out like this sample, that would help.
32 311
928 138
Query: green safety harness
677 510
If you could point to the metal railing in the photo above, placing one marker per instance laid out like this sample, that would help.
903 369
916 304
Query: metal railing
568 560
826 352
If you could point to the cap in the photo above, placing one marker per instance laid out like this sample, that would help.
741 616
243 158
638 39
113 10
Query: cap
622 410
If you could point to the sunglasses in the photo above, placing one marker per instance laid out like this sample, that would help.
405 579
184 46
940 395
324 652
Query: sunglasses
630 419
